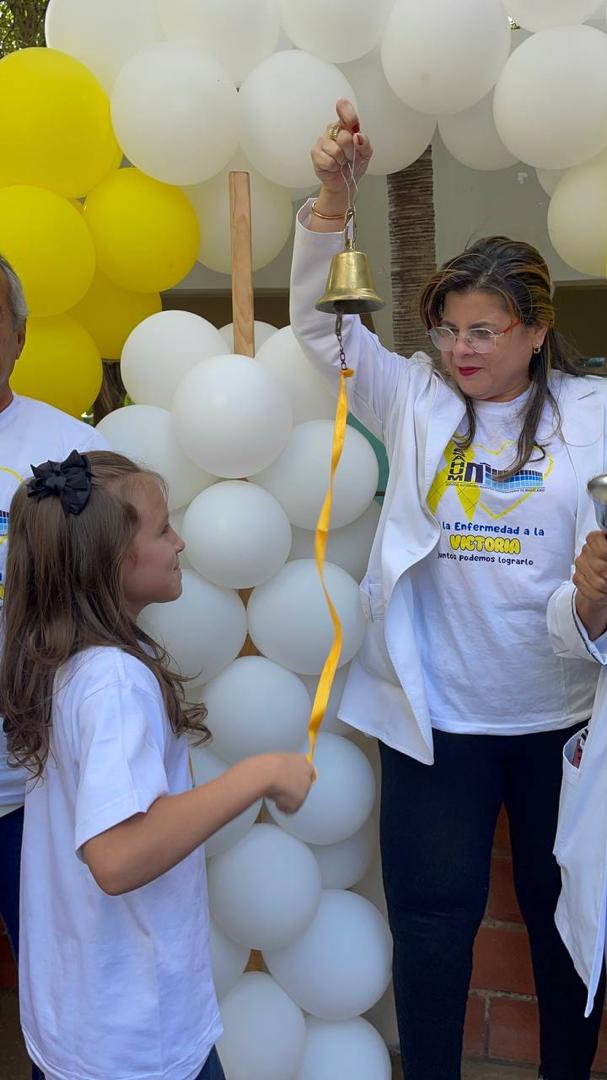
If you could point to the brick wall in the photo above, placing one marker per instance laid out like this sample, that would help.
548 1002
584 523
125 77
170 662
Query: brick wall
502 1021
8 974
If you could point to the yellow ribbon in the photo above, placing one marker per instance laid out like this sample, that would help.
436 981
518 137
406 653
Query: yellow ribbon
321 537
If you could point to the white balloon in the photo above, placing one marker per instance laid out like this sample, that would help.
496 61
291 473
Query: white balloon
144 433
348 547
299 477
441 57
342 865
550 103
281 120
228 959
207 766
231 417
203 631
371 886
271 218
238 33
344 1050
472 138
239 536
577 217
337 32
549 178
262 331
397 133
289 621
264 1032
161 349
175 114
542 14
265 890
102 34
331 723
312 397
340 800
340 966
255 707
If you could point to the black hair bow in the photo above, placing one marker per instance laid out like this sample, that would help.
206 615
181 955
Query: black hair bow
69 479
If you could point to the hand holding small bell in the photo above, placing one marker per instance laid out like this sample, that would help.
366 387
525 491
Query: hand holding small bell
341 143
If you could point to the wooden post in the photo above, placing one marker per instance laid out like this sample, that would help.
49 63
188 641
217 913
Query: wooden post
243 315
242 264
243 310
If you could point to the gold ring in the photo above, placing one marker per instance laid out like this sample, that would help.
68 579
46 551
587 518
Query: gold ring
334 131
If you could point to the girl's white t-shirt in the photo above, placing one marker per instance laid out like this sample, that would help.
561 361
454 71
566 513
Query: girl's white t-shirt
111 987
481 595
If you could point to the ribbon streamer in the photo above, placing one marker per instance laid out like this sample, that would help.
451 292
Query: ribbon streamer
321 537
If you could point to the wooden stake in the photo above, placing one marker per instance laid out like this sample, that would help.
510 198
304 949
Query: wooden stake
243 315
242 264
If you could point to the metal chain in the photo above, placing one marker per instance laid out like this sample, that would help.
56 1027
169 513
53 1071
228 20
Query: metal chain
338 335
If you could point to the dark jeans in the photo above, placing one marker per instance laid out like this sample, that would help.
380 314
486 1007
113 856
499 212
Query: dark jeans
437 827
212 1070
11 831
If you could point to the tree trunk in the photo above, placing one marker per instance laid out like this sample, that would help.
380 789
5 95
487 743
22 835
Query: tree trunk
412 248
112 394
21 24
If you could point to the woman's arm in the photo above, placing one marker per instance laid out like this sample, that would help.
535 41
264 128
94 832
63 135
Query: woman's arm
145 846
379 375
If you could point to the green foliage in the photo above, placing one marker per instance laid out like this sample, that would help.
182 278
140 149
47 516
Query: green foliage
21 24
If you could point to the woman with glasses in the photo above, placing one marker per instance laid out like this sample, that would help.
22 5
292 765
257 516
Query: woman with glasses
490 449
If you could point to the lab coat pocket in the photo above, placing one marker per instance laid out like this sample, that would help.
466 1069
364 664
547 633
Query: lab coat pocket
567 801
373 654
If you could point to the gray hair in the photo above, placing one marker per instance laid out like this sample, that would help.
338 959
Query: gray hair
16 296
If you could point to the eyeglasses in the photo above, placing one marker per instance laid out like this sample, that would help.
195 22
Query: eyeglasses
480 339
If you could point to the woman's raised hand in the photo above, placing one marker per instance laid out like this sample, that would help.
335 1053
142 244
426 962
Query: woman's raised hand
590 580
590 577
341 142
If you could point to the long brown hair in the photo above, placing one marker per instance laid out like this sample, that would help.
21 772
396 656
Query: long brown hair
517 273
63 593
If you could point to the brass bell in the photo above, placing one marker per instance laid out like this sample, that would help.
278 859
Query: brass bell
349 289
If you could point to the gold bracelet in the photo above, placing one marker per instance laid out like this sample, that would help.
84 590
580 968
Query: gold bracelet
327 217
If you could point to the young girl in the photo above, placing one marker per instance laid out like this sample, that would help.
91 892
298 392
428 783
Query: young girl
115 975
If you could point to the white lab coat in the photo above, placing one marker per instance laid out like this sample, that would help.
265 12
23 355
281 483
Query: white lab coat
581 840
415 413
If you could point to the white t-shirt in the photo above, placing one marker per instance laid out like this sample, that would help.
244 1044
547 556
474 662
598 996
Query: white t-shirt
111 987
481 595
30 432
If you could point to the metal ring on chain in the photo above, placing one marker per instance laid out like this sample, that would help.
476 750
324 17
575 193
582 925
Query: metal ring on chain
334 131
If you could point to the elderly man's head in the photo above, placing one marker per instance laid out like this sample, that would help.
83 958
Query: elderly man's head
13 315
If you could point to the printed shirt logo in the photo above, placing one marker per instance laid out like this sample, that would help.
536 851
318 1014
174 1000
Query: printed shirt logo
4 516
476 481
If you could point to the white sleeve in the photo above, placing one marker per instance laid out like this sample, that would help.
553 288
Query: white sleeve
567 634
379 374
122 733
93 440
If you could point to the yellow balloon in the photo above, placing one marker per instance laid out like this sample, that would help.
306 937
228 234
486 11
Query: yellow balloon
48 243
145 232
109 313
60 364
55 123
